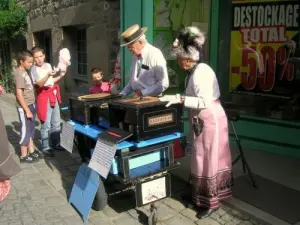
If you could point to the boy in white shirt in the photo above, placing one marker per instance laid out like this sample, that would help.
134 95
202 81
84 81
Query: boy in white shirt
48 100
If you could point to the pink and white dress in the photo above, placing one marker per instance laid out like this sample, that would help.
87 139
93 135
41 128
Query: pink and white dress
211 171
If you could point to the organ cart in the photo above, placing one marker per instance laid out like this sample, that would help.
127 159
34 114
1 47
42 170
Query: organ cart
128 140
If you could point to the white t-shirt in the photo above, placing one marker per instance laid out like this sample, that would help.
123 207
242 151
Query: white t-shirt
38 72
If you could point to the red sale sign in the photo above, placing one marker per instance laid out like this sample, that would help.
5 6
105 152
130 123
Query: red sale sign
263 40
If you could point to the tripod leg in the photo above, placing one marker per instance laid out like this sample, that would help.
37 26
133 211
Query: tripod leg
246 166
249 171
236 160
241 154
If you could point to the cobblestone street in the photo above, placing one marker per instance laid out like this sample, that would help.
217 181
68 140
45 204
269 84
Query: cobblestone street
39 194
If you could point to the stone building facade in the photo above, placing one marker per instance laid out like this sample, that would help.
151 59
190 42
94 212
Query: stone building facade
88 28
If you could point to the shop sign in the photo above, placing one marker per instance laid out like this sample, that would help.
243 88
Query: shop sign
264 35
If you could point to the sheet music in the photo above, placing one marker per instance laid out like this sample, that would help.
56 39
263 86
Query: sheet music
102 157
67 136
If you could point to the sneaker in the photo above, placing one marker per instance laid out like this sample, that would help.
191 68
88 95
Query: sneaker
36 154
48 152
28 159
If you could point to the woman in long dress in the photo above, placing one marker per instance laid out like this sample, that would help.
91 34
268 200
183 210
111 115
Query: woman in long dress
211 171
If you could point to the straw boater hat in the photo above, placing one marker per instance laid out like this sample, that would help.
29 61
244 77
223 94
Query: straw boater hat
132 34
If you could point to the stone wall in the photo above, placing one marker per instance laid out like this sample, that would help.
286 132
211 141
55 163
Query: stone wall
61 18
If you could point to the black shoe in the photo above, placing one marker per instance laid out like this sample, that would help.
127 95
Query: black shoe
36 154
203 213
48 152
28 159
58 148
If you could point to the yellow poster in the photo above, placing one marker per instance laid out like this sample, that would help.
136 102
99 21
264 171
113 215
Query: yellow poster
264 40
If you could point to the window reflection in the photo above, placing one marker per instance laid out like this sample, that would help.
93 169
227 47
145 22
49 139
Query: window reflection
264 59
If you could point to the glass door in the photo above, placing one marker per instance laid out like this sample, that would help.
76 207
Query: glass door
169 17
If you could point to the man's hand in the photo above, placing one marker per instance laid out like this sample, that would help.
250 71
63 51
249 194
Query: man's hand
29 114
137 94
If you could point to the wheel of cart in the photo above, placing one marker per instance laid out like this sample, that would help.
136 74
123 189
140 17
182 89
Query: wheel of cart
101 198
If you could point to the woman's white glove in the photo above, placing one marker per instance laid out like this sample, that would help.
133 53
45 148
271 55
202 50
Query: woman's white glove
64 60
171 99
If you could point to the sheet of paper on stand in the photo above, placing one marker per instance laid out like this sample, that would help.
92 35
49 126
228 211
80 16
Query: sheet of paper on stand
102 157
67 136
105 150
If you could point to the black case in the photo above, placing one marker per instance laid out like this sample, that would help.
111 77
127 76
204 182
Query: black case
89 111
146 120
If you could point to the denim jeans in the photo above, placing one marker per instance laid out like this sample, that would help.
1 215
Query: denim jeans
50 129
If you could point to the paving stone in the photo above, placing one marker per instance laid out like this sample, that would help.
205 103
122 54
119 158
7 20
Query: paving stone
94 213
65 210
177 220
16 222
41 165
39 184
66 173
246 223
164 212
4 222
97 220
28 171
233 222
73 168
73 220
227 217
56 183
240 215
47 192
174 204
220 212
254 222
190 214
34 177
207 221
215 217
55 201
48 174
126 219
135 214
27 217
111 213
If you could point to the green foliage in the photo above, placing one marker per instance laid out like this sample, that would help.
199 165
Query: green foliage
13 20
8 82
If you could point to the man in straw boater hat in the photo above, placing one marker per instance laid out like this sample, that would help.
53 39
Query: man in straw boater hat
148 73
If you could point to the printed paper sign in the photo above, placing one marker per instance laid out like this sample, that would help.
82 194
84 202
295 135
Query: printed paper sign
102 157
263 39
67 136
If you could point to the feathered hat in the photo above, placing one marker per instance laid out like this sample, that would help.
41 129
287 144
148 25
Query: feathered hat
188 43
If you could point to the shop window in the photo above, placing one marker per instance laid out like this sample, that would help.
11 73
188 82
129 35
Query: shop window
169 17
81 52
264 75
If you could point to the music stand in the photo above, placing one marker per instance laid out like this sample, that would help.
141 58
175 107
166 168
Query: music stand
233 116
